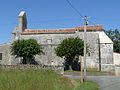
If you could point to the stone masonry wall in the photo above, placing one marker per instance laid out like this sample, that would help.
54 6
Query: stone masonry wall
50 41
106 57
4 49
7 58
116 58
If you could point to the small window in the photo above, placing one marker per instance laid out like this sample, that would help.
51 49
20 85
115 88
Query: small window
0 56
49 41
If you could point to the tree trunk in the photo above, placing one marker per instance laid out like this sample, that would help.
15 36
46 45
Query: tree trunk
70 63
24 60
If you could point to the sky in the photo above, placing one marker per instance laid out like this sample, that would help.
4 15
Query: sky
48 14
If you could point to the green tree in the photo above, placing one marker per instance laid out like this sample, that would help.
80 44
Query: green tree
117 46
115 37
69 48
26 49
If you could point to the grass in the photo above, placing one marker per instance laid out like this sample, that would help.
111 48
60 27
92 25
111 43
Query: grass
88 85
40 80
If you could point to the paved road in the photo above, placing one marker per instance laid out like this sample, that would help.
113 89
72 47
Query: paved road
105 82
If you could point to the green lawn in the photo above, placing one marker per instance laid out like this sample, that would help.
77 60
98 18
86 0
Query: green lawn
40 80
88 85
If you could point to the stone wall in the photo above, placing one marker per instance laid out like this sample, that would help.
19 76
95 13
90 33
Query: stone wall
106 52
116 58
117 70
50 41
99 55
7 58
59 69
5 50
117 63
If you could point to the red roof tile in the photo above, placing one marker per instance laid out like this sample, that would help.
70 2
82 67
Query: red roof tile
98 28
69 30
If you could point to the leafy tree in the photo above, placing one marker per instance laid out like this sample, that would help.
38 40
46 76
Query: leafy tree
26 49
69 48
115 37
117 46
110 34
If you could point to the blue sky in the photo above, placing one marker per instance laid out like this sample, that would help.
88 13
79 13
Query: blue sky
44 14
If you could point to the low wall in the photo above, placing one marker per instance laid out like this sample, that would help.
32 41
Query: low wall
59 69
108 67
117 70
116 58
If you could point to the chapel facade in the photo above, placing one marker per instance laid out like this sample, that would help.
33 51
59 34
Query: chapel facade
100 50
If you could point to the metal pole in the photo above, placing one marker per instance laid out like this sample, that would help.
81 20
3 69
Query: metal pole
85 26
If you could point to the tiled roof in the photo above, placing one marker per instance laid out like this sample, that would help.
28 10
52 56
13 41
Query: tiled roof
68 30
97 28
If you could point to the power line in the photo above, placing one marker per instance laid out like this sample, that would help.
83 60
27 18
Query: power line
79 12
74 8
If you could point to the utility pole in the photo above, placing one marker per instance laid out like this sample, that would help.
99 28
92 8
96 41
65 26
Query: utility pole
81 69
85 29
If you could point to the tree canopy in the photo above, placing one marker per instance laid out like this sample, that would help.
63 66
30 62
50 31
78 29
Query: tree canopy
70 47
26 49
115 37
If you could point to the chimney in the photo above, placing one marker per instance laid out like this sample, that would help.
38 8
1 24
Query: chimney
22 21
